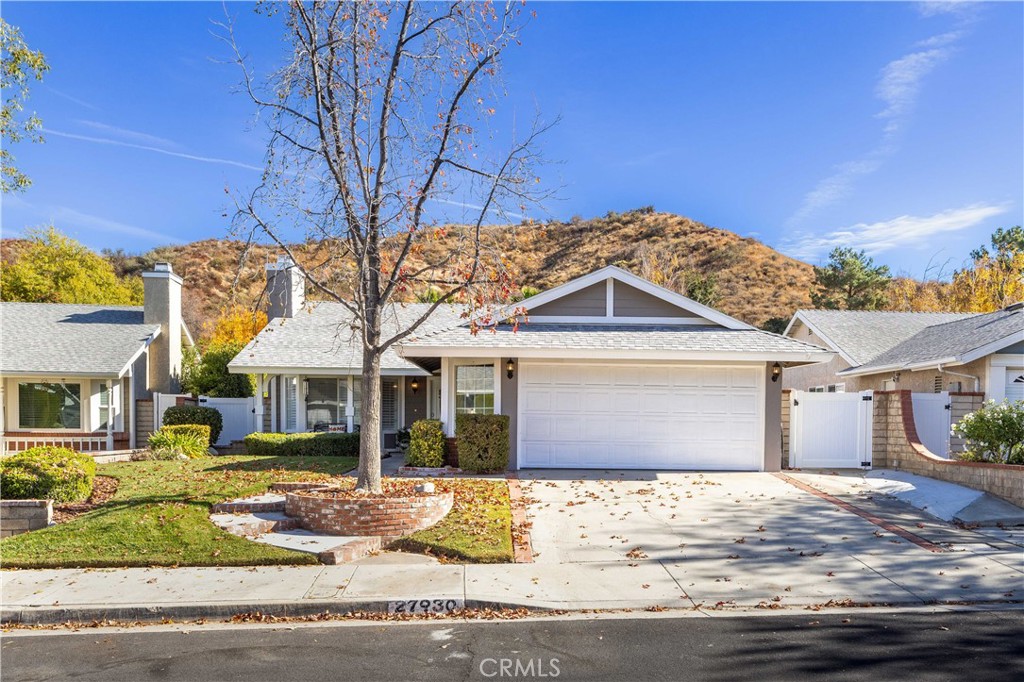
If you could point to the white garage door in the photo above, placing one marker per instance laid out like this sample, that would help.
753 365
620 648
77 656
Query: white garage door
641 417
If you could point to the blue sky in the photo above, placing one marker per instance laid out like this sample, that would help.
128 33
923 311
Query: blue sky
892 127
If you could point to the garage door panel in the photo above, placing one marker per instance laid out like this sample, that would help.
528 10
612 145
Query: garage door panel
653 417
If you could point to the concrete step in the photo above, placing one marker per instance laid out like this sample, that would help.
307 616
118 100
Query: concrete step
252 525
269 502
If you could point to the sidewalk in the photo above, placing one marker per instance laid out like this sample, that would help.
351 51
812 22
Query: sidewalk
53 596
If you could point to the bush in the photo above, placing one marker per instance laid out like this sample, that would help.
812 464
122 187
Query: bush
426 444
194 414
201 431
207 374
47 472
995 433
303 444
483 442
191 442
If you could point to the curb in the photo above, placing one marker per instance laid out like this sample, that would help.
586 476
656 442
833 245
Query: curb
56 615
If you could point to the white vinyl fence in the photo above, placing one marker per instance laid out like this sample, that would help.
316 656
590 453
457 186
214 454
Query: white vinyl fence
239 416
931 417
830 430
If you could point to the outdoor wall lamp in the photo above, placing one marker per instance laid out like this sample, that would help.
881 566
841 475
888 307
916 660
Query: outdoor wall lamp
415 385
776 372
510 368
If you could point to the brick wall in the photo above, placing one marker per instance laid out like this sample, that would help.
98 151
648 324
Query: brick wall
388 517
896 446
21 516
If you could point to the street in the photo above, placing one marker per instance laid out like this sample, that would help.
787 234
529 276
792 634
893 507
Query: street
848 645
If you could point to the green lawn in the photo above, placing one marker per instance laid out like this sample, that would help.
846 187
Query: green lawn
478 530
160 516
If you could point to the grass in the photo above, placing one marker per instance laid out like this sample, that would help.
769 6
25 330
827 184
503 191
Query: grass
478 529
160 516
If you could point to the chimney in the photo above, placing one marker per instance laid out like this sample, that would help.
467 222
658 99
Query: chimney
286 288
162 305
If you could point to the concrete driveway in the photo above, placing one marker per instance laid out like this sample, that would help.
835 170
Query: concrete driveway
754 538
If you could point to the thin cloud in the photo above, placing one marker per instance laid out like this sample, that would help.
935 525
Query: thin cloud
72 98
898 87
130 135
903 231
130 145
476 207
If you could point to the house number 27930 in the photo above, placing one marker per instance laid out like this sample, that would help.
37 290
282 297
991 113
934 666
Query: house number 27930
424 605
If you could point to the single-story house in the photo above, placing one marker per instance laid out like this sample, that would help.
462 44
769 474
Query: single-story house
72 374
921 352
608 370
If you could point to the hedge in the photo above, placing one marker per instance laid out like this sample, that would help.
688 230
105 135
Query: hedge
483 442
191 440
426 444
47 472
303 444
195 414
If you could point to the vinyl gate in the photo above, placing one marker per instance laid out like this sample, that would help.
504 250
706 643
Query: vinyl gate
239 416
931 417
830 430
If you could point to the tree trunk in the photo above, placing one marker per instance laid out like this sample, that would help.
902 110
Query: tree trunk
369 431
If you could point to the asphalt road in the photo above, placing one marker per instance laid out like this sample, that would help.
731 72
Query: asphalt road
876 646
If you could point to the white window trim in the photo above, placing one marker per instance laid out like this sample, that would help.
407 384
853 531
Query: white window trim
12 406
448 366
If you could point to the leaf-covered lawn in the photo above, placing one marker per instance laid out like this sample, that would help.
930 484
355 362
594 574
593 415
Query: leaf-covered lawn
160 516
478 529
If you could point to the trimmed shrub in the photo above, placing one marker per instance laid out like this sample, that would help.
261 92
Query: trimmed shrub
426 444
195 414
994 433
198 430
47 472
483 442
303 444
191 442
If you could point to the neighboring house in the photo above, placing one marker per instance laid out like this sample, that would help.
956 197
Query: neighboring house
72 374
921 352
609 371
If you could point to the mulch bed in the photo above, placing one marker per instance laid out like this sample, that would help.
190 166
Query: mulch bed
103 488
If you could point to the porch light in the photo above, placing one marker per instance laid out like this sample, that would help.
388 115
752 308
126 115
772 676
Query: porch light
776 372
510 368
414 385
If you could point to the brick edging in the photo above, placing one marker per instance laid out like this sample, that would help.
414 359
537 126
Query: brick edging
522 549
866 515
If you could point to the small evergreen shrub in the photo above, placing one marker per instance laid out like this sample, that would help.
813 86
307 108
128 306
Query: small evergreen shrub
303 444
994 433
483 442
199 430
189 442
195 414
47 473
426 444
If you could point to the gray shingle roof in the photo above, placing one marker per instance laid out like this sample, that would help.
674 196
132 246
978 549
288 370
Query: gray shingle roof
864 334
684 338
57 338
949 340
321 337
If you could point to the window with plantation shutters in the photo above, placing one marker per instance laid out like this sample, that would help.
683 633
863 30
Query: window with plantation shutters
49 406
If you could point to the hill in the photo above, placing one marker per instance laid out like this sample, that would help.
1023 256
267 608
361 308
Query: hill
738 275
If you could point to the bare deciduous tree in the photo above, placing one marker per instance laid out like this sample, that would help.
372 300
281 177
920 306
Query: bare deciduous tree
379 123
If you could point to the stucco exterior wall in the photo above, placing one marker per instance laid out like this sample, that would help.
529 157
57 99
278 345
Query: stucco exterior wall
923 381
772 423
510 407
804 377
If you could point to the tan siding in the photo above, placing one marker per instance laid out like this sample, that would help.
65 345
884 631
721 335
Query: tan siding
143 421
631 302
803 377
923 381
589 301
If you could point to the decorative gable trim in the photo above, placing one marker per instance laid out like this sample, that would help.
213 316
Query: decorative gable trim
612 274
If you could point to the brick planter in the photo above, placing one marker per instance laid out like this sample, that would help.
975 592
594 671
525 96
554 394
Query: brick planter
388 517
